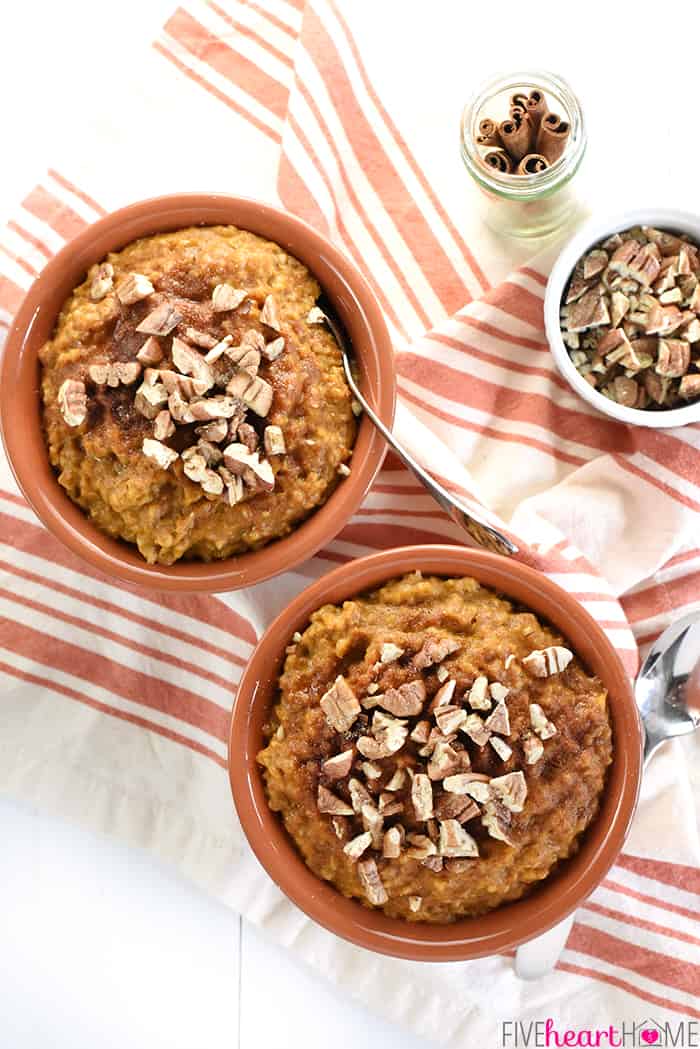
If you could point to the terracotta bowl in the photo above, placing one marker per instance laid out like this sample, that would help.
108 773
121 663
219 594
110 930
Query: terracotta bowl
512 923
20 416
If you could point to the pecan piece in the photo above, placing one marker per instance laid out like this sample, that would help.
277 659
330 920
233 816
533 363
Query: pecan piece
455 841
269 315
339 705
501 747
327 802
674 358
372 883
149 400
133 288
422 797
444 761
151 352
72 402
102 281
450 719
188 361
475 728
224 297
272 350
547 661
443 696
253 391
689 387
160 321
274 442
389 652
391 845
405 701
478 698
434 651
249 464
499 720
357 846
159 452
511 790
532 748
544 728
163 426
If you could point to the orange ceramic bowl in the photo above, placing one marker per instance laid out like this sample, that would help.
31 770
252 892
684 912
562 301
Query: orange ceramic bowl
512 923
20 405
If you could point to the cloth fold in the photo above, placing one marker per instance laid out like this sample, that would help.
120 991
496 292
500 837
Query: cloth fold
299 104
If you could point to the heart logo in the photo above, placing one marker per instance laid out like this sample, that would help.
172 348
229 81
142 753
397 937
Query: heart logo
650 1036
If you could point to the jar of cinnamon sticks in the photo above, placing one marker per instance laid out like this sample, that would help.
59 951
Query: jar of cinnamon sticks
523 140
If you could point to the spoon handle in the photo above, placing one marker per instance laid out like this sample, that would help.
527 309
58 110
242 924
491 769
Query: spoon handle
475 526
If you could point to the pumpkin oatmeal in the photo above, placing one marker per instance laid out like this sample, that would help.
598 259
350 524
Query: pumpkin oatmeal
194 402
436 751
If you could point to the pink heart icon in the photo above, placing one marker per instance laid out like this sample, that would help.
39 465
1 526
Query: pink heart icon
650 1036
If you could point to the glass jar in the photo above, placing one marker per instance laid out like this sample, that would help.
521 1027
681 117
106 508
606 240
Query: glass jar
524 205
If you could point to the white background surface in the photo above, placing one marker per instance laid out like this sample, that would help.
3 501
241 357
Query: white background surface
99 946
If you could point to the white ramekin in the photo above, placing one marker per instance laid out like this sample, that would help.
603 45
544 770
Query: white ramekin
593 231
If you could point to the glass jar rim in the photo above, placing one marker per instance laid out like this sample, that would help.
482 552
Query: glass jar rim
527 187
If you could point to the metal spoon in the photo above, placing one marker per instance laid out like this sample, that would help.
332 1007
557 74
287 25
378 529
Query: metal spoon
667 691
472 523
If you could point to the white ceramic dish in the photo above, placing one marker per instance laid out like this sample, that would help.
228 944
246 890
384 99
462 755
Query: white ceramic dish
593 231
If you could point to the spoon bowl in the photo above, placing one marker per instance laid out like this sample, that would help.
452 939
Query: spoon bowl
667 689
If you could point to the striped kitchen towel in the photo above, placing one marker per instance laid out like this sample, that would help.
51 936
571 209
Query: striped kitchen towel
115 703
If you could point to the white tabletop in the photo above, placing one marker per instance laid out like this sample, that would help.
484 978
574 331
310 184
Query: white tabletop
99 946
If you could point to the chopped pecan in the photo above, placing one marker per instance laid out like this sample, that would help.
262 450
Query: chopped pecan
359 795
357 846
274 349
444 761
133 288
274 442
149 400
391 845
450 719
455 841
405 701
456 807
499 720
371 770
443 696
434 650
689 386
72 402
422 797
501 747
389 736
211 408
242 462
340 706
372 883
414 903
327 802
544 728
160 321
511 790
224 297
248 436
463 783
373 822
590 311
478 694
476 730
253 391
218 349
547 661
102 281
188 361
496 819
420 846
497 690
594 263
389 652
269 315
532 748
673 359
421 732
201 338
339 766
163 426
151 352
159 452
215 431
315 316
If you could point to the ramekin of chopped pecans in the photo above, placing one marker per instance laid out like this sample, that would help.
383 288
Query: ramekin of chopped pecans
622 315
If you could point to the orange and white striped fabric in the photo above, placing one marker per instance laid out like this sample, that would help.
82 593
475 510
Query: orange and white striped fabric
115 703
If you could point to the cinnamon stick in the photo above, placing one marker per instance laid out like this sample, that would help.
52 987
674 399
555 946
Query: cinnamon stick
536 107
552 136
532 164
489 134
516 134
499 159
